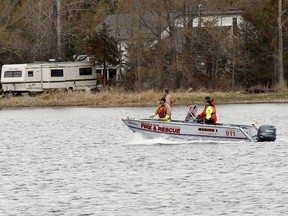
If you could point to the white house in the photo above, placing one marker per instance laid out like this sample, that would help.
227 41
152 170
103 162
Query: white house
122 26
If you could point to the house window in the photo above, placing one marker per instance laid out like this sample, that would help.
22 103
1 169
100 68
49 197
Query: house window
85 71
112 73
13 74
57 73
30 74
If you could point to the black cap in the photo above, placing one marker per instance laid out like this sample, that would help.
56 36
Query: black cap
163 99
209 101
207 98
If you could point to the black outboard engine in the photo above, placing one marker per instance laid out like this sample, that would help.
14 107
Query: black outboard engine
266 133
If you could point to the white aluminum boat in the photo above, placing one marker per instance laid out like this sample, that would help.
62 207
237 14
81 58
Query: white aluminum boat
191 130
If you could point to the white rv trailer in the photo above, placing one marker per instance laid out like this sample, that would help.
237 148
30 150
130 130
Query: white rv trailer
37 77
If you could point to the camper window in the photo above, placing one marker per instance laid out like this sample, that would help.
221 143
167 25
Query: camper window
13 74
85 71
30 73
57 73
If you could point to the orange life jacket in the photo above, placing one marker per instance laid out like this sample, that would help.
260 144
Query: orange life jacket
162 112
214 116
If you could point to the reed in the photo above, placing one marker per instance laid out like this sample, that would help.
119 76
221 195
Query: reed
120 97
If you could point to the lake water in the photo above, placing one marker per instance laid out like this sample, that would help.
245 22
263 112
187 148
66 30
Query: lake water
85 161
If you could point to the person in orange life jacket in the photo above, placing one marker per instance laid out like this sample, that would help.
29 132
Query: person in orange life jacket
168 97
209 113
163 111
201 117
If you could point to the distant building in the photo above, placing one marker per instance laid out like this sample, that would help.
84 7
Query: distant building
122 26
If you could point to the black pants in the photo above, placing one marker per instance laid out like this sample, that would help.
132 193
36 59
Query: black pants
209 121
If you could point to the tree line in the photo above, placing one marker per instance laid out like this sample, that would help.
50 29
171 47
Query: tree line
158 54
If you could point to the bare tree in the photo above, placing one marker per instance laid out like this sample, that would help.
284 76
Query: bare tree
280 47
48 29
34 21
264 37
172 50
11 41
156 32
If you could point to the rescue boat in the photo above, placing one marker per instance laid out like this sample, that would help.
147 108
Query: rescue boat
190 129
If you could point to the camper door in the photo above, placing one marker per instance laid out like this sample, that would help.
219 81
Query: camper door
33 78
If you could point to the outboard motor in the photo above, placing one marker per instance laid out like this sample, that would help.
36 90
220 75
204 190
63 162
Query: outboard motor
266 133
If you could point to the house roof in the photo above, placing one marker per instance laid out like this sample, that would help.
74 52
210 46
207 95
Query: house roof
121 26
118 25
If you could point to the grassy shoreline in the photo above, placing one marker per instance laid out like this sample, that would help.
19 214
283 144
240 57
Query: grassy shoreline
118 98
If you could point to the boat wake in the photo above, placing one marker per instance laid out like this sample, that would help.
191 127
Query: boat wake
139 139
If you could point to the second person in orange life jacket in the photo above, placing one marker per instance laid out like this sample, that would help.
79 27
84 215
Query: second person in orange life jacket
163 111
202 116
210 113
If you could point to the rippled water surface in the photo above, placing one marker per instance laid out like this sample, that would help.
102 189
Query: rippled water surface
85 161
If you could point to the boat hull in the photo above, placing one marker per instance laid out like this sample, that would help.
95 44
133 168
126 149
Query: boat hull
192 131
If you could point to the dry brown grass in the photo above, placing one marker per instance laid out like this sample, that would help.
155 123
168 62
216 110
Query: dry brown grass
119 97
